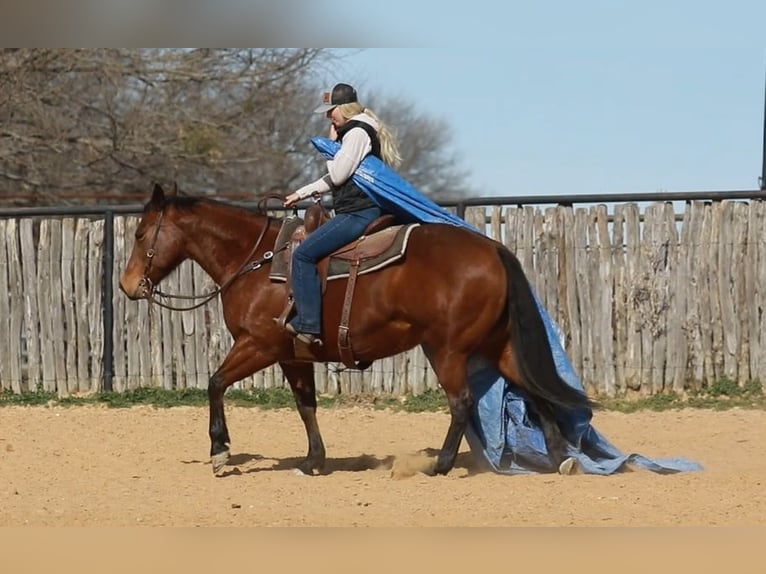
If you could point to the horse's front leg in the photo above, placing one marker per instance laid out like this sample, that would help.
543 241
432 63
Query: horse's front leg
301 379
243 360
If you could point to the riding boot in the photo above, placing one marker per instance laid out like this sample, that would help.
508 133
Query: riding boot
307 338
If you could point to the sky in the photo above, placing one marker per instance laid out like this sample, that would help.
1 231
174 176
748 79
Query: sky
583 97
542 97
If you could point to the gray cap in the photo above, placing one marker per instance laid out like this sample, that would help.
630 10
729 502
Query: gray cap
340 94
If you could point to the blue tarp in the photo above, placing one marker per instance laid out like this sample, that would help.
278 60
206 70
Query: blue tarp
503 431
391 192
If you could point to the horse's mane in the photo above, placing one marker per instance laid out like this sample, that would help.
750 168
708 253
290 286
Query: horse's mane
188 202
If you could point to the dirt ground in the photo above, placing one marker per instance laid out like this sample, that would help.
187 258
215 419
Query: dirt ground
96 466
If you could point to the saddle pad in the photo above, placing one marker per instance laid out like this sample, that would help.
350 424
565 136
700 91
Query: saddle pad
339 267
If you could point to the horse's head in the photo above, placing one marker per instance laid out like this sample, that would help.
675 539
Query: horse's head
158 247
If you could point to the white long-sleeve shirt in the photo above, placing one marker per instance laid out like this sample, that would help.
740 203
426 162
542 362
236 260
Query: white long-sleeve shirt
354 148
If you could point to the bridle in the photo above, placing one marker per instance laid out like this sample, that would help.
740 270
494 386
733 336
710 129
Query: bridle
152 292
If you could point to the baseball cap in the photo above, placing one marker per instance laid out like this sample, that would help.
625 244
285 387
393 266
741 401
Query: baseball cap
340 94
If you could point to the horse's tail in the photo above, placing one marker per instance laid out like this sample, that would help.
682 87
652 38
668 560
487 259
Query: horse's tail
529 339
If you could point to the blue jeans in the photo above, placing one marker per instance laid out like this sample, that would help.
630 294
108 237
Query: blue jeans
307 289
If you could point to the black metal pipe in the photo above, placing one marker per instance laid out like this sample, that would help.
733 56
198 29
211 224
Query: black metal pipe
570 199
460 203
108 291
763 148
68 210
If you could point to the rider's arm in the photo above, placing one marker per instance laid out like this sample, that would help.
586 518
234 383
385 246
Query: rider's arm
354 148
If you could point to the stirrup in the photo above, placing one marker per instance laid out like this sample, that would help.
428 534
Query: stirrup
285 315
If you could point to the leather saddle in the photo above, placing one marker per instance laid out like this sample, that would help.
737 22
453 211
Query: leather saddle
382 242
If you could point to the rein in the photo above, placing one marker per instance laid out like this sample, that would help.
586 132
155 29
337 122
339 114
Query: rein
153 292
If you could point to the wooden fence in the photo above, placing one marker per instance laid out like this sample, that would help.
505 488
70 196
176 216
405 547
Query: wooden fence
646 302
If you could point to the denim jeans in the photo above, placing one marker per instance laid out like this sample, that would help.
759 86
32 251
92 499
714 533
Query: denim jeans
340 230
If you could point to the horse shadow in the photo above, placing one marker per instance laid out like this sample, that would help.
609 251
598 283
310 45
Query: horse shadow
247 463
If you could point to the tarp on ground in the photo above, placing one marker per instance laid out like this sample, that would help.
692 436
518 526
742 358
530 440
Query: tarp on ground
503 431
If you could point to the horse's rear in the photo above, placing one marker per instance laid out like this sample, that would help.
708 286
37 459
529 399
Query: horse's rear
458 294
452 294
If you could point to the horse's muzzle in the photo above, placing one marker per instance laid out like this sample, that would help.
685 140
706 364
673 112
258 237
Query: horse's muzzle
138 290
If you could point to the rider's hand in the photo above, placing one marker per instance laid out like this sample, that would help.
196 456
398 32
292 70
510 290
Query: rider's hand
292 199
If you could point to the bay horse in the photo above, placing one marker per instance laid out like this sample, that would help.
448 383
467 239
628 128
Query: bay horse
455 292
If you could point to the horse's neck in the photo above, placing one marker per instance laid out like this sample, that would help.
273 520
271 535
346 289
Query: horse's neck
222 250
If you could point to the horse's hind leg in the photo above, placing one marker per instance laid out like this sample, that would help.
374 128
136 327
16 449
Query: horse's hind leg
554 440
450 369
301 379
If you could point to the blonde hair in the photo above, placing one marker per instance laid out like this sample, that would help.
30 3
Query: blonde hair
389 149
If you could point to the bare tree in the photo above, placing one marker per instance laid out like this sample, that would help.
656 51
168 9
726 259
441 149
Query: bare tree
100 124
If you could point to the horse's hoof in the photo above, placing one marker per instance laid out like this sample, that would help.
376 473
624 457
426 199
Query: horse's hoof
569 466
219 461
310 468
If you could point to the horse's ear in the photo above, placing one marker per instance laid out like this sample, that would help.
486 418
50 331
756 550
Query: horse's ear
174 191
158 196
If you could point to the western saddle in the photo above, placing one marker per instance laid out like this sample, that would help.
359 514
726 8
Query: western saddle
368 246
